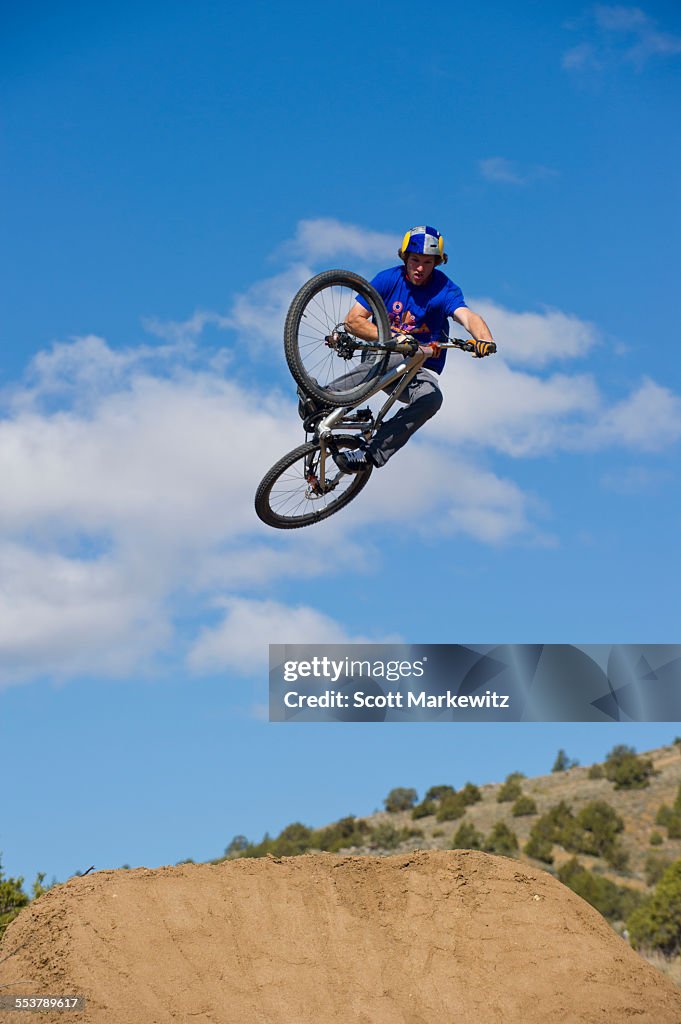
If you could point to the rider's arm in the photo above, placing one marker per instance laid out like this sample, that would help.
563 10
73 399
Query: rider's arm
473 323
358 321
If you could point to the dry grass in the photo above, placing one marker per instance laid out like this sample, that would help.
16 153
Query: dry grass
669 966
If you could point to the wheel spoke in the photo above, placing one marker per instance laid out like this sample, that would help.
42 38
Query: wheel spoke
286 499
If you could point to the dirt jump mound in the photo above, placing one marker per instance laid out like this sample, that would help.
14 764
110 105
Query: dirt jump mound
424 938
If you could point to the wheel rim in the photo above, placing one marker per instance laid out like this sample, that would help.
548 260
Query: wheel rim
292 495
328 363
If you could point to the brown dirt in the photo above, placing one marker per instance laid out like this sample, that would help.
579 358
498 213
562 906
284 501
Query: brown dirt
419 938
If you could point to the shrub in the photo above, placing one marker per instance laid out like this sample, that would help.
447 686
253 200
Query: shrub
400 799
563 763
511 788
560 825
293 840
656 839
539 847
237 846
470 794
452 806
502 840
670 818
438 792
386 837
467 837
600 823
555 826
664 815
594 830
656 924
596 771
13 898
524 805
349 831
615 902
626 769
297 838
674 826
617 857
424 809
655 867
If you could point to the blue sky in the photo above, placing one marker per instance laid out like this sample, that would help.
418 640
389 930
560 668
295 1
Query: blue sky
170 176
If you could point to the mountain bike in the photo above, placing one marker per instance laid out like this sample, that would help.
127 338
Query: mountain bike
336 372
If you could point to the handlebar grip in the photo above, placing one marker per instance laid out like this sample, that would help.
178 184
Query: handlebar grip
483 348
406 348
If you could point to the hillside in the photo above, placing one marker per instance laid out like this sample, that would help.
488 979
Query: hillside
637 808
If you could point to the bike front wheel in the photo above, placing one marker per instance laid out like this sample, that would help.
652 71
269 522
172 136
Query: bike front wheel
320 349
291 493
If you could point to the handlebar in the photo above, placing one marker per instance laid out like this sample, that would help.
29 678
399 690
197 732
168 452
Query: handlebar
411 347
345 344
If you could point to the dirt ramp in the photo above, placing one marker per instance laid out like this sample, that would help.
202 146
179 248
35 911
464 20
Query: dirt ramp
417 939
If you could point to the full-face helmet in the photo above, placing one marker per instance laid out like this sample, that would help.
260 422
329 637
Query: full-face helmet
424 240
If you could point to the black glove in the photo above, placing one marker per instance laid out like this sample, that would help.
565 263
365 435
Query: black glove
483 348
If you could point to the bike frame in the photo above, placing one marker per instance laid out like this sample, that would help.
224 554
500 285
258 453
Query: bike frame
401 375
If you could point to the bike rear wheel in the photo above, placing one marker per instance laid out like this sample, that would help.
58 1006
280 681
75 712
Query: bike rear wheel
290 495
318 346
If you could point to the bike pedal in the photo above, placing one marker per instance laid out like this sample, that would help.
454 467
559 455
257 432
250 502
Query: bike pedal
363 415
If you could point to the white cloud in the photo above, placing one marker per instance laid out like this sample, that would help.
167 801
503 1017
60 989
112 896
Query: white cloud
538 338
509 172
240 642
324 237
618 18
63 616
620 34
635 480
153 455
447 494
119 500
648 419
580 57
489 404
129 474
259 313
185 331
492 405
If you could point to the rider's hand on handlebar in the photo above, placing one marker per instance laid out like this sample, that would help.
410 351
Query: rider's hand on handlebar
407 344
431 349
483 348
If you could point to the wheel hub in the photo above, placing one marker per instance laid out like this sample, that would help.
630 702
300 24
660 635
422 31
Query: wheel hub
341 342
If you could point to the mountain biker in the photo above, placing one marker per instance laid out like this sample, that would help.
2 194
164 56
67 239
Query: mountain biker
418 298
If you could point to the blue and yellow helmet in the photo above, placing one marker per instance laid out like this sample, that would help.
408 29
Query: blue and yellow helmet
424 240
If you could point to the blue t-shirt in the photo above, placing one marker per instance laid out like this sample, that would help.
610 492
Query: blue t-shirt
421 310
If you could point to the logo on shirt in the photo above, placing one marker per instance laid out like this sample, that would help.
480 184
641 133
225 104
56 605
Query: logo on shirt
406 323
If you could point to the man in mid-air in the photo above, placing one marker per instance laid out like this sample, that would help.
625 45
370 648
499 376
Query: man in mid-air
419 299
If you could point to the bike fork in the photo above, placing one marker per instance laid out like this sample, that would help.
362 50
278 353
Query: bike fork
325 434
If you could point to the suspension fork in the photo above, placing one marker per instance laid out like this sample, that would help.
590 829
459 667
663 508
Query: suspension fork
325 434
